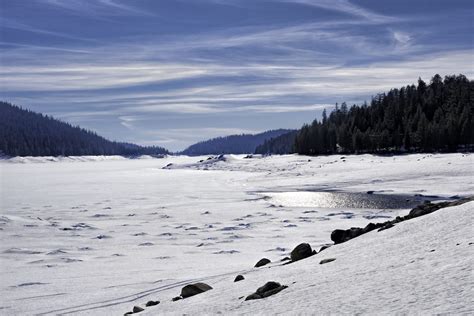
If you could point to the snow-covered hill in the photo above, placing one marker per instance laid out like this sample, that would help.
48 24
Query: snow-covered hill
98 236
422 266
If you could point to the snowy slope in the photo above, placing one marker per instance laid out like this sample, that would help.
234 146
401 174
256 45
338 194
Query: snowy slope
101 234
420 266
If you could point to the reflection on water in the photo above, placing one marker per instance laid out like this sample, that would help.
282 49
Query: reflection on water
342 200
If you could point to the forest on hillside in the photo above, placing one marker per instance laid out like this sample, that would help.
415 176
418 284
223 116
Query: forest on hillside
279 145
26 133
415 118
233 144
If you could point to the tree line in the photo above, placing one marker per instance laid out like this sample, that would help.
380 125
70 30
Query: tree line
415 118
26 133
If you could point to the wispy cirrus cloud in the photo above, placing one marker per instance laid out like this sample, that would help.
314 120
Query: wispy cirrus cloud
347 7
97 7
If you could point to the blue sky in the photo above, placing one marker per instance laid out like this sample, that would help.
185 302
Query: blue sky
173 72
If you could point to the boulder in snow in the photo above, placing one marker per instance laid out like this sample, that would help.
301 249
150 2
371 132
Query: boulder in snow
262 262
270 288
239 278
193 289
152 303
302 251
340 235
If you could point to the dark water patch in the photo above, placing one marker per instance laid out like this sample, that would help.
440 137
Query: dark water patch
333 199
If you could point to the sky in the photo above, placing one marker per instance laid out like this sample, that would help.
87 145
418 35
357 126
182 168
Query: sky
174 72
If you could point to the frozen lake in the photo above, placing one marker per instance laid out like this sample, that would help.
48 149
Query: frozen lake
100 234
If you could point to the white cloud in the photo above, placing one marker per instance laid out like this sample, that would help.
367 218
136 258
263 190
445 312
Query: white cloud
97 7
346 7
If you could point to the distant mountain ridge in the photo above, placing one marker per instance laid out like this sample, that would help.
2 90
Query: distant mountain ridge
27 133
233 144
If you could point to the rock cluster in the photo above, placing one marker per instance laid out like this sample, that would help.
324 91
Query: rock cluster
270 288
304 250
340 235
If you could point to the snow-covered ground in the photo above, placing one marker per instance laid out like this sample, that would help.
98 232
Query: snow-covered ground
100 235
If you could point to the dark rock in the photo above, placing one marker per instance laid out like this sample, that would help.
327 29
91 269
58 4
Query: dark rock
423 210
372 226
128 313
152 303
267 287
137 309
262 262
324 247
285 259
398 219
274 291
340 236
193 289
177 298
301 251
270 288
239 278
386 226
327 260
253 296
370 192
